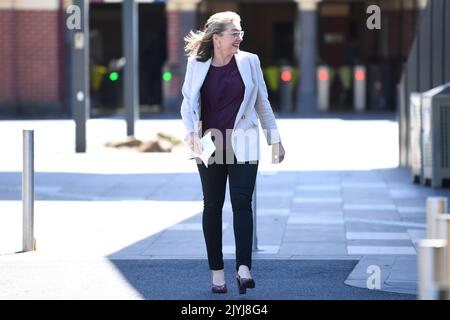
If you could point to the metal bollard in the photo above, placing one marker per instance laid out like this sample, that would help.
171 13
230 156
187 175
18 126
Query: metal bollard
255 238
433 269
435 207
28 190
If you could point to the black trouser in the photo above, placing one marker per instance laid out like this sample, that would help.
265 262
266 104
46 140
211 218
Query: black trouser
242 177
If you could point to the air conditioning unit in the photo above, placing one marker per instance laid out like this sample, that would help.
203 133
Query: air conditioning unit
415 136
436 136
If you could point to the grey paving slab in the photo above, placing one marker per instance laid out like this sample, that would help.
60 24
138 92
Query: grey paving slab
135 250
411 209
9 194
399 287
174 237
316 207
372 250
403 287
323 215
303 199
357 191
380 214
411 202
372 227
274 193
406 273
268 223
326 257
308 248
177 249
365 198
308 237
364 185
415 216
334 189
122 192
261 211
417 234
319 177
12 179
398 273
378 236
318 190
274 202
369 206
313 227
316 220
416 220
378 242
406 193
166 194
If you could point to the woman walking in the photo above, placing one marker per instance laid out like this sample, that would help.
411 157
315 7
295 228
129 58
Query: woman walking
224 93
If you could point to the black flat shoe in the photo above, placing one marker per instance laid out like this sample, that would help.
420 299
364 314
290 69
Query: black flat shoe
244 283
219 289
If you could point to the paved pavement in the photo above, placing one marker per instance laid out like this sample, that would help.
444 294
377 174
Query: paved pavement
339 200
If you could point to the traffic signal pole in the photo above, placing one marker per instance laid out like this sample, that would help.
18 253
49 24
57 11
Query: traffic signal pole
131 72
80 98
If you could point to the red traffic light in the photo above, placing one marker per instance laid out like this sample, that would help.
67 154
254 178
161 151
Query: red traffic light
323 75
360 75
286 76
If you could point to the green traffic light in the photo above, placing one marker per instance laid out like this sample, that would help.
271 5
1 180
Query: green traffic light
167 76
114 76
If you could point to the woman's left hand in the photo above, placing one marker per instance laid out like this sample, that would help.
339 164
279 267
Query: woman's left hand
277 153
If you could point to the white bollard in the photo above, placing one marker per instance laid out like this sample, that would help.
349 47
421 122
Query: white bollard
443 228
435 207
432 269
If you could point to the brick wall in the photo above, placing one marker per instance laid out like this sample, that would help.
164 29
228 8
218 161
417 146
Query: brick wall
6 56
37 56
30 57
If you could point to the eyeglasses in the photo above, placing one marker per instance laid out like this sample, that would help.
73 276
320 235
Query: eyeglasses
236 34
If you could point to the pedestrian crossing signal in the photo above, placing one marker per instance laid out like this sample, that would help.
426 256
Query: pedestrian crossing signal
167 76
360 75
323 75
286 76
114 76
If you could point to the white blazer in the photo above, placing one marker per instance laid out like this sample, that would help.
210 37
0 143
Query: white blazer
245 135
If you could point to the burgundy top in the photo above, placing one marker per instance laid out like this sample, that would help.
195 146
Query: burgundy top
221 95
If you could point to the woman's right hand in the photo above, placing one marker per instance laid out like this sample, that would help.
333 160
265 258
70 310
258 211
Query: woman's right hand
193 142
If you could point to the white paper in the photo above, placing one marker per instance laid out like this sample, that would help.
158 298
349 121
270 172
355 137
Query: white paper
208 148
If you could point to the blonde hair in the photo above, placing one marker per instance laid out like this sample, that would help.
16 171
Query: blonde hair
200 43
